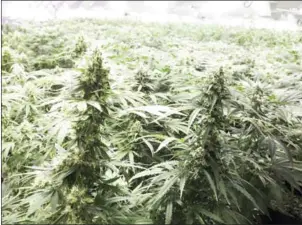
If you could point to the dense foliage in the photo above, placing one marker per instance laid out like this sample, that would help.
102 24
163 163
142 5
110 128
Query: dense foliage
148 123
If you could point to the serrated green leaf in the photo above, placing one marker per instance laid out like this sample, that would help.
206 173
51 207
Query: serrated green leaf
246 194
212 184
222 189
193 117
149 145
63 131
95 105
54 201
147 173
169 213
210 215
164 143
165 188
182 183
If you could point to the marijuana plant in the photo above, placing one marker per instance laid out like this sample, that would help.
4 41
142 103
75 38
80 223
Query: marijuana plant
172 143
7 60
81 46
81 180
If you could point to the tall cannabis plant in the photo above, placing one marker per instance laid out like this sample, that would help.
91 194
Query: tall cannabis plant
88 155
266 132
203 183
81 46
81 181
174 183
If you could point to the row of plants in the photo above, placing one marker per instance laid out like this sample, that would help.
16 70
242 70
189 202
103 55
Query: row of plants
167 124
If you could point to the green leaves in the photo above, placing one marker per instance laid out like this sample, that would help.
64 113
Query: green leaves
182 183
145 173
156 140
245 193
165 143
193 117
164 189
157 110
169 213
7 147
212 184
95 105
81 46
210 215
63 131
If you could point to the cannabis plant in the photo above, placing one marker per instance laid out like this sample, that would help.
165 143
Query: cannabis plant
80 47
81 178
216 158
176 141
183 186
7 60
